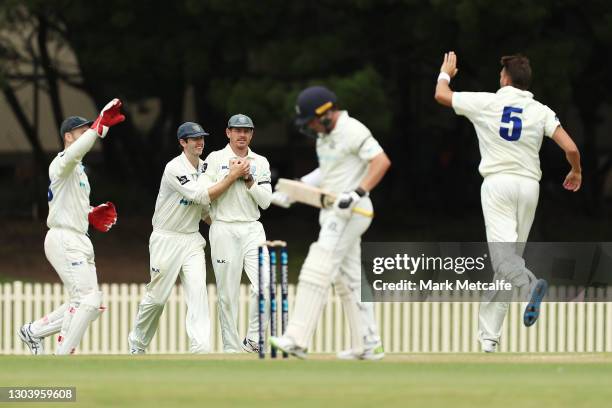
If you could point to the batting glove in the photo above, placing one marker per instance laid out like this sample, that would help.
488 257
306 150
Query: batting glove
281 199
343 206
103 217
110 116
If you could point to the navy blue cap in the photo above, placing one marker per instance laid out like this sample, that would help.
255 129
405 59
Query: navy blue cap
73 122
190 129
312 102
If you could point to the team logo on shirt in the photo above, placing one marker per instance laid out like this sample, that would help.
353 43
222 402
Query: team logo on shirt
49 192
204 167
183 180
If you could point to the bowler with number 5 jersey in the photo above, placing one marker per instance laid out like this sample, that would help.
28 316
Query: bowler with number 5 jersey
510 125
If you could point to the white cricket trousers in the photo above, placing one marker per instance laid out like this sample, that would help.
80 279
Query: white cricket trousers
72 256
509 203
234 248
341 239
171 255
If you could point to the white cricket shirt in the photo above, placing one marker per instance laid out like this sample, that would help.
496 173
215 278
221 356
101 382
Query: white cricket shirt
183 197
68 193
238 203
510 126
344 154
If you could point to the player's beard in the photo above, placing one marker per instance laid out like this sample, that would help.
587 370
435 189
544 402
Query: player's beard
242 142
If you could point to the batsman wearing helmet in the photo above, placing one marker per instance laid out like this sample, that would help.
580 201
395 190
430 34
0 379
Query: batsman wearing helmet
176 246
510 126
67 244
351 164
235 233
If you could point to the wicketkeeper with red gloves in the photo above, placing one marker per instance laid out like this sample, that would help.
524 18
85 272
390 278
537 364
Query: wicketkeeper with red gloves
67 245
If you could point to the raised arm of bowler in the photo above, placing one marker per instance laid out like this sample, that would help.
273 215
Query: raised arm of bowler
67 244
176 246
351 164
510 125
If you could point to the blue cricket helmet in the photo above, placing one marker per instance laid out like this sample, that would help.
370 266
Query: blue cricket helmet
312 102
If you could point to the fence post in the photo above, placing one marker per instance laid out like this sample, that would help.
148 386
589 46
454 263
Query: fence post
17 316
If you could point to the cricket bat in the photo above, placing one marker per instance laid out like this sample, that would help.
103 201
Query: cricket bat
313 196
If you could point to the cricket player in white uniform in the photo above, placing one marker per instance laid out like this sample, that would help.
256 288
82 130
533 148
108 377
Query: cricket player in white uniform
67 244
235 233
176 246
510 126
351 164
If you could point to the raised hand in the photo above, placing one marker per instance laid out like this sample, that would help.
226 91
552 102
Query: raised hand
109 116
449 65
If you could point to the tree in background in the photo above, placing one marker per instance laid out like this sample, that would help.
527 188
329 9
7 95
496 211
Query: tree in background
381 57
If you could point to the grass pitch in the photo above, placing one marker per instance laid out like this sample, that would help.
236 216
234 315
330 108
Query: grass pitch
403 380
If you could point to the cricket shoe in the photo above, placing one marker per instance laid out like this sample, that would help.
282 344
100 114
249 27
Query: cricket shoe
35 344
374 352
250 346
489 346
134 349
287 345
532 311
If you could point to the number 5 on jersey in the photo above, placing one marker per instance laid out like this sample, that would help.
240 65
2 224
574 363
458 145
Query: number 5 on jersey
516 121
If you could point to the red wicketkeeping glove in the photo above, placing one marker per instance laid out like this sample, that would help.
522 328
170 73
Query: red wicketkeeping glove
110 116
103 217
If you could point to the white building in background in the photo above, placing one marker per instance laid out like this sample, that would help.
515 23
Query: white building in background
12 139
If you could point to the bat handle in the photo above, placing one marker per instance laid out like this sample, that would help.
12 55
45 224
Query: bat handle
365 213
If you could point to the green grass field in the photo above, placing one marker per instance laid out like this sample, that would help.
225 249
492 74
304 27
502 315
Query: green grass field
404 380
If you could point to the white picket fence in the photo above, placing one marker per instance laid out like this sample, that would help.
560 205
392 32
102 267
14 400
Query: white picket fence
404 327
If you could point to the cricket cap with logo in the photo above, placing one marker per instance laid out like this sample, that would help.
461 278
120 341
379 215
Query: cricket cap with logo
240 121
190 129
73 122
